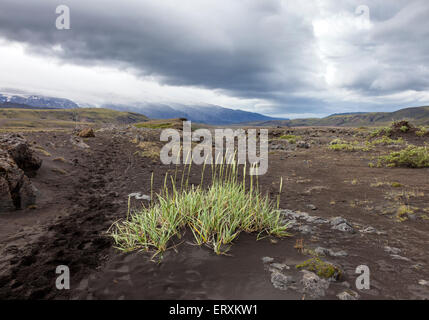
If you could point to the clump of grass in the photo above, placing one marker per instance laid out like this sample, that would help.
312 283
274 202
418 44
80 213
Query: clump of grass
59 171
403 212
411 157
290 138
215 215
42 151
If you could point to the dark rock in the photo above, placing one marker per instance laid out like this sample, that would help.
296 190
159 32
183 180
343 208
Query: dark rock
16 190
20 151
342 224
303 144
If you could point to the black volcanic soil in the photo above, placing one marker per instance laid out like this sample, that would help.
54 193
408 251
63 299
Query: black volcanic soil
83 191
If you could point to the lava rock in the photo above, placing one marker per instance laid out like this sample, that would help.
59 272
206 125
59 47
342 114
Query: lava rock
16 190
281 281
348 295
313 284
19 149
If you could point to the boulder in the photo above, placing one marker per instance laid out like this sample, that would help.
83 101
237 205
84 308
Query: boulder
16 190
314 285
86 133
20 151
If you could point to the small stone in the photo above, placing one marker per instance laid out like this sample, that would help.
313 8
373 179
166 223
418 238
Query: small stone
392 250
281 281
278 266
348 295
398 257
317 220
311 207
305 229
340 253
321 251
369 230
344 227
423 283
303 144
267 259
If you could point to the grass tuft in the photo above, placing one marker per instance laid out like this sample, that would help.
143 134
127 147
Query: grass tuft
215 215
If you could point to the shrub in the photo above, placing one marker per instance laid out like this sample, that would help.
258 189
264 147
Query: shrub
387 131
411 157
341 145
404 129
290 138
216 216
421 132
385 140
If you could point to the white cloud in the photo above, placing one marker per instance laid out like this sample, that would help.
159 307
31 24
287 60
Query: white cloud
276 57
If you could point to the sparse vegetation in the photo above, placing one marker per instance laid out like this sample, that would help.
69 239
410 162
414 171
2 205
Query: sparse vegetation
385 140
216 215
161 124
341 145
290 138
59 171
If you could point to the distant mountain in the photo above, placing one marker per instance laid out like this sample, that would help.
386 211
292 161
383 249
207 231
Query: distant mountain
417 115
28 101
207 114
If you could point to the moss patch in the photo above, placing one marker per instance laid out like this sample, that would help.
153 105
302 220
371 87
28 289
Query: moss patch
322 268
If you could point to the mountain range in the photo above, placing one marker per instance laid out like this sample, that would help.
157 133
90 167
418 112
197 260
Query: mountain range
16 100
216 115
417 115
206 114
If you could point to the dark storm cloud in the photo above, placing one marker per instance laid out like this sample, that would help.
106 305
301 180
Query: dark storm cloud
249 48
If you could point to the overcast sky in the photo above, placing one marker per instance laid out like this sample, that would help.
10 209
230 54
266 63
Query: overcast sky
276 57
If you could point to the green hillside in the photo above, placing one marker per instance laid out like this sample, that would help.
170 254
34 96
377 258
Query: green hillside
65 118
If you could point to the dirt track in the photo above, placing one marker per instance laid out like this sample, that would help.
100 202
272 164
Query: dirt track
79 202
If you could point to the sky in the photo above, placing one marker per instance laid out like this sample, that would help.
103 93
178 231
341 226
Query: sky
280 58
